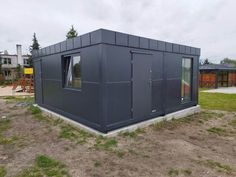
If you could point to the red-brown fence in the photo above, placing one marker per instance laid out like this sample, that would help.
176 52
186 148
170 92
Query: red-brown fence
207 80
232 79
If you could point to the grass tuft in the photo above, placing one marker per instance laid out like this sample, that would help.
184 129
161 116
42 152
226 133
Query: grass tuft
119 153
9 97
35 110
218 166
173 172
233 123
105 143
74 134
133 134
187 172
198 118
97 164
5 141
176 172
108 144
46 162
217 130
37 113
3 171
27 99
5 124
45 166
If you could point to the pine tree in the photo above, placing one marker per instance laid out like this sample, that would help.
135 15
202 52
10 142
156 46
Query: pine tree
35 46
206 62
71 33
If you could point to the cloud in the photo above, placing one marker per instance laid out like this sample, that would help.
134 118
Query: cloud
209 25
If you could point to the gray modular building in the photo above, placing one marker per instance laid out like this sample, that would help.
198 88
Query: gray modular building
106 79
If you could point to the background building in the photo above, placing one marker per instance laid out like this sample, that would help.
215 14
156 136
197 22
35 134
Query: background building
217 75
11 62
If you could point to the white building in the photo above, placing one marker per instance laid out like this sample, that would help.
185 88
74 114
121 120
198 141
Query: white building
10 62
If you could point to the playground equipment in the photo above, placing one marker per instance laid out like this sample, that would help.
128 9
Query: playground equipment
25 83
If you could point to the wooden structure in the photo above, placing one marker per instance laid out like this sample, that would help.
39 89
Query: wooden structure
26 83
217 75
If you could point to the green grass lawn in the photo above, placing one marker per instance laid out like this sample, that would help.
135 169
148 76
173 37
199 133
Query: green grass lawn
218 101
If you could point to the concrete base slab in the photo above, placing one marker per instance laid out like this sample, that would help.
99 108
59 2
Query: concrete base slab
130 128
228 90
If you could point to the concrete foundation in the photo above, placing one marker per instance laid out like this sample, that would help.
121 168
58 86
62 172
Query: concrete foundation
175 115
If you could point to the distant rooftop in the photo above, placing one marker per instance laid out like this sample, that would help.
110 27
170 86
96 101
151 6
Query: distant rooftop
217 67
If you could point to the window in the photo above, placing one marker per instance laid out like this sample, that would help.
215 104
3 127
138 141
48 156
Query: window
72 71
6 61
186 85
7 73
26 61
9 61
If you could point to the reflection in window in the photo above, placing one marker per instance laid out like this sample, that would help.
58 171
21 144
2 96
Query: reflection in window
186 79
72 65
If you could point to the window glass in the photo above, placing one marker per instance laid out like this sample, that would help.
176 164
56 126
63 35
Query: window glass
26 61
72 65
76 72
7 73
9 61
186 79
5 61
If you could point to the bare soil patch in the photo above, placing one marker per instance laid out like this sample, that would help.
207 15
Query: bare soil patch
200 145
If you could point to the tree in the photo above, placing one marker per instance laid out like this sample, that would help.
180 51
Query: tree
228 61
206 62
0 66
35 46
71 33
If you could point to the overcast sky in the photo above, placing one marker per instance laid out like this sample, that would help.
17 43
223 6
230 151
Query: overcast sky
208 24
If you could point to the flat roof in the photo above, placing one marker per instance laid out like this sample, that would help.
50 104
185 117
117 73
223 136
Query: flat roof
115 38
12 55
217 67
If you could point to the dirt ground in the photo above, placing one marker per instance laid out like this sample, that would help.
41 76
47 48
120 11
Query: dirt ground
200 145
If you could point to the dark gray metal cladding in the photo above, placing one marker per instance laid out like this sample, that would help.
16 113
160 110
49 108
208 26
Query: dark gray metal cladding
187 50
121 39
57 48
105 101
117 38
77 42
63 46
86 40
176 48
161 46
153 44
182 49
133 41
169 47
144 43
69 44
